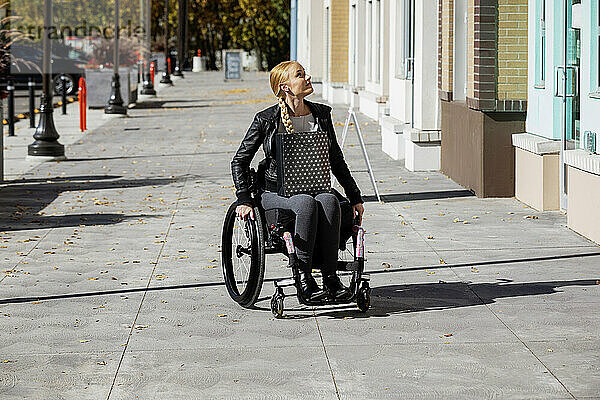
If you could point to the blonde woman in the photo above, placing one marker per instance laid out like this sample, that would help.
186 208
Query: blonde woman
317 223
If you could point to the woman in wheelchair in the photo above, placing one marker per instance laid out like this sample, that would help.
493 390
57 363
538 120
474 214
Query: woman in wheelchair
316 229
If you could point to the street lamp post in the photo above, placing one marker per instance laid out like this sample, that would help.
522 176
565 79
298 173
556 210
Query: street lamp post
147 86
115 107
166 77
180 38
46 145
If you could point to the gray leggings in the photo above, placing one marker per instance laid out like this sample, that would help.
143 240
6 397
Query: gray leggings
317 226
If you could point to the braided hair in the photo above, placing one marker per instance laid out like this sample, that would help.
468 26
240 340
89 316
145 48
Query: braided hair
280 74
285 116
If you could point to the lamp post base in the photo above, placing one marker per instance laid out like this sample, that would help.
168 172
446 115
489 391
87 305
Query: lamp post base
46 142
115 101
30 157
148 87
166 79
44 150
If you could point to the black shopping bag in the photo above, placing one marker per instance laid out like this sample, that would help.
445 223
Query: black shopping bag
303 163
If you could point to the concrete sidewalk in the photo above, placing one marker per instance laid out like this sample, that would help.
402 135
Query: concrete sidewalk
112 289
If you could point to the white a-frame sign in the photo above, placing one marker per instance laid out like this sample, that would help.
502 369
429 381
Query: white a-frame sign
352 118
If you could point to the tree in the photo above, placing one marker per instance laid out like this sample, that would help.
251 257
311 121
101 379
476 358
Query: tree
253 25
265 28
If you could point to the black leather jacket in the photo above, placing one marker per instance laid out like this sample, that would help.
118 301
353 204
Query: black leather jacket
262 132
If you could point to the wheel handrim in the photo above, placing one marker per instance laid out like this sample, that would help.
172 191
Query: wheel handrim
241 255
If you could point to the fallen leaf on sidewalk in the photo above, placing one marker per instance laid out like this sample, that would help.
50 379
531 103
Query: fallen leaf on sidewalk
386 265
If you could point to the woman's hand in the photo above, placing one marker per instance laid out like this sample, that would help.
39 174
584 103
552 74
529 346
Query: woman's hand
357 212
243 210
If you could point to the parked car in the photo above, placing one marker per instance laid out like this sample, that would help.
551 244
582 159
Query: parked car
28 64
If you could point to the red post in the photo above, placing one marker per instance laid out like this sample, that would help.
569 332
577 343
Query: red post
82 97
169 65
152 72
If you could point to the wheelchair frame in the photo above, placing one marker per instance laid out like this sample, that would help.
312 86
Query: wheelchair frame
253 239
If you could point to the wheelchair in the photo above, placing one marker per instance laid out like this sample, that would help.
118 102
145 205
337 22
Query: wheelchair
244 244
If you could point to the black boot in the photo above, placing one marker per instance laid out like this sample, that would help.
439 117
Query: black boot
309 287
335 287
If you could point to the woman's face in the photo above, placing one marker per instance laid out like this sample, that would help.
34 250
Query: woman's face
298 82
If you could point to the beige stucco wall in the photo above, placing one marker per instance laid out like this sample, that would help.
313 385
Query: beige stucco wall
512 49
339 41
447 44
537 179
583 214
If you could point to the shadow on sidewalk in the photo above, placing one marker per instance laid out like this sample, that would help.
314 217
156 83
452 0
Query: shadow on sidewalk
420 297
398 197
150 104
22 200
389 299
150 156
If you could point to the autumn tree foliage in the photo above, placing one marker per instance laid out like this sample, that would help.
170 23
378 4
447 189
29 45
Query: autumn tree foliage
253 25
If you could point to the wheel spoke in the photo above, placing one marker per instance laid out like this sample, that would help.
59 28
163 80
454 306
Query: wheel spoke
241 238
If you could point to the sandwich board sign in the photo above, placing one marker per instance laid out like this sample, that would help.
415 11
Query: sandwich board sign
233 64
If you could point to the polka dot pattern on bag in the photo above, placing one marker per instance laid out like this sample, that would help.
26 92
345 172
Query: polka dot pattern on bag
306 163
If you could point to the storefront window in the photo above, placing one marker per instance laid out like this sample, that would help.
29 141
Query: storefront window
409 41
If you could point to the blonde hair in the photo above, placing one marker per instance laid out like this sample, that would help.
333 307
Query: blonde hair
280 74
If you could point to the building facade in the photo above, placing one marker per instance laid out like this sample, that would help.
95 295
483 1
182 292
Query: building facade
502 96
483 90
557 161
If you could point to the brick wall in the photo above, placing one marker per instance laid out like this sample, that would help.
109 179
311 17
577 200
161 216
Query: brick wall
512 50
484 36
338 71
447 60
471 48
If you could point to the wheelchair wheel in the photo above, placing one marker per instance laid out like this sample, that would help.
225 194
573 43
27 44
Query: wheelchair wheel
243 257
363 297
277 303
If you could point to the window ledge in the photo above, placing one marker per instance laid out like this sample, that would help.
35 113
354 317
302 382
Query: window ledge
583 160
595 95
535 144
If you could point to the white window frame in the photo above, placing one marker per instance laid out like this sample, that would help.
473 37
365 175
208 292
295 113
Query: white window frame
378 39
540 43
408 48
369 44
596 37
327 49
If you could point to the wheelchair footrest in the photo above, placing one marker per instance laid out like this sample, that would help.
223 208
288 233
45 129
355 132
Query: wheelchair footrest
285 282
348 266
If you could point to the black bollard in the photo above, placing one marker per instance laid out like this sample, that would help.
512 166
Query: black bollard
31 87
63 94
10 88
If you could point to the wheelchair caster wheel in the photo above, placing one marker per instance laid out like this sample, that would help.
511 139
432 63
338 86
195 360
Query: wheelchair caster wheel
277 304
363 297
